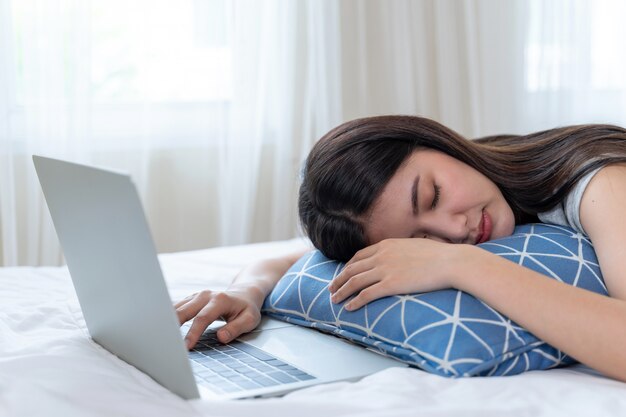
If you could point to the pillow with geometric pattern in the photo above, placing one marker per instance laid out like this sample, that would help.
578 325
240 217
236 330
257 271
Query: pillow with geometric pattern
446 332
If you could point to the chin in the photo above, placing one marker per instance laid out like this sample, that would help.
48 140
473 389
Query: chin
508 228
508 223
509 231
504 229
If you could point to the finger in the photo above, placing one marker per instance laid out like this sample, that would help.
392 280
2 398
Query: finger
187 311
368 295
212 311
355 284
364 253
349 271
244 322
184 300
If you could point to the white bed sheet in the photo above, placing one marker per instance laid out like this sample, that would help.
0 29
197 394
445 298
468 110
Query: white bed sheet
50 367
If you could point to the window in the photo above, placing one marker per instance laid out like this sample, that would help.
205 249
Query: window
174 52
122 58
575 51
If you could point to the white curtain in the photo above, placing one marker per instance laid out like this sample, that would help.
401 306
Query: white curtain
55 124
286 95
212 105
487 66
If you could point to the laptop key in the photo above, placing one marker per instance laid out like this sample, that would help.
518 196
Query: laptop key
304 377
224 348
285 367
261 367
227 373
275 362
252 375
266 382
213 354
215 379
281 376
293 372
230 388
209 337
257 353
204 373
240 368
218 368
247 384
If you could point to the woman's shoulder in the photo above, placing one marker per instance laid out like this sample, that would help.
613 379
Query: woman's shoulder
570 211
605 195
611 173
602 216
616 169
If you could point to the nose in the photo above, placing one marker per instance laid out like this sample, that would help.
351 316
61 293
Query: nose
451 228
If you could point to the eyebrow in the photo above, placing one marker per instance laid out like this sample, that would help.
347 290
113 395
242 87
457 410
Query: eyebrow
414 195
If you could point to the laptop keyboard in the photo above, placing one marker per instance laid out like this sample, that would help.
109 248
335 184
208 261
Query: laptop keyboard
239 366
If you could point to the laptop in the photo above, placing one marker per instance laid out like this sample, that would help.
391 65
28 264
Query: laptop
114 267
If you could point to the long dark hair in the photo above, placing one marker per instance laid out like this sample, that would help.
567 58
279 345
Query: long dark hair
348 168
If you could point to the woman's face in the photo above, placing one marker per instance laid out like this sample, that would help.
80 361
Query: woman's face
436 196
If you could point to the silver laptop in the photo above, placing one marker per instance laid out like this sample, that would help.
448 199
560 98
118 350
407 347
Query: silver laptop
116 273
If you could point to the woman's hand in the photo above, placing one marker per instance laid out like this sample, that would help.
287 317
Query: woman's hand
397 266
239 305
238 308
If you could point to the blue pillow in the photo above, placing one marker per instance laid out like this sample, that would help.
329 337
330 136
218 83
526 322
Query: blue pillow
446 332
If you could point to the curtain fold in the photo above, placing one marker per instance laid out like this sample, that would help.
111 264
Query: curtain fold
8 230
54 77
278 110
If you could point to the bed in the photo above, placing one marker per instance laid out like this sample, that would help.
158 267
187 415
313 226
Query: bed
50 367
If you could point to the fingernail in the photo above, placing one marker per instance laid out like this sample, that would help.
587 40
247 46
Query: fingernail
188 343
348 306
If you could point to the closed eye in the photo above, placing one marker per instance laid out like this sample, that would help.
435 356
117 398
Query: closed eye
436 196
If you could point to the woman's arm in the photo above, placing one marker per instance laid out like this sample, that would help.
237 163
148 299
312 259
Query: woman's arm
239 305
260 278
588 326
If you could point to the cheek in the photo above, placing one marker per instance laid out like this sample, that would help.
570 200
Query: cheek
508 221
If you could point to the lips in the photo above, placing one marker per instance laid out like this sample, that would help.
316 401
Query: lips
485 227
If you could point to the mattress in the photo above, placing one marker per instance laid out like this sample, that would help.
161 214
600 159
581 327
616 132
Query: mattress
50 367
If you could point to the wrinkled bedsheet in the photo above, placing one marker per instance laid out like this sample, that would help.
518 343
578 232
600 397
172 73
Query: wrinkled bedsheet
50 367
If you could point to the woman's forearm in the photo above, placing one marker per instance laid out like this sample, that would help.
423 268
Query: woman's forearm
258 279
587 326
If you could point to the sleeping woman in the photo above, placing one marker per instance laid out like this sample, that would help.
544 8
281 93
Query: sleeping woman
404 200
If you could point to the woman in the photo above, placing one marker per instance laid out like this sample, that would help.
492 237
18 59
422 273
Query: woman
389 194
